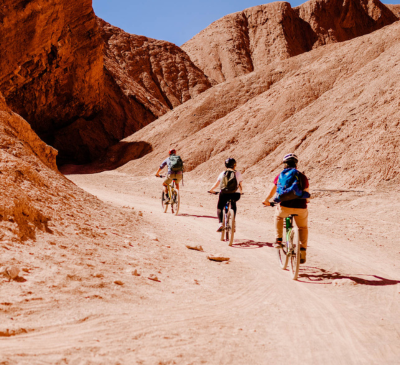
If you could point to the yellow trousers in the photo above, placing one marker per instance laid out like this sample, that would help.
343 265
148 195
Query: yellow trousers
301 222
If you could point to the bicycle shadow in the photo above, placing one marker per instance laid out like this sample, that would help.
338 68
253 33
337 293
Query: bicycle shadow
197 216
250 244
321 276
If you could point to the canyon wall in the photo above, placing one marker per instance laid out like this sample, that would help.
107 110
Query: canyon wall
245 41
77 81
335 106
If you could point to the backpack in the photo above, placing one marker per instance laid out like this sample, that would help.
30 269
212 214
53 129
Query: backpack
175 163
229 182
289 186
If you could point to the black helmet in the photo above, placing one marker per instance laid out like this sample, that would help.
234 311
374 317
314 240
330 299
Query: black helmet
230 163
290 157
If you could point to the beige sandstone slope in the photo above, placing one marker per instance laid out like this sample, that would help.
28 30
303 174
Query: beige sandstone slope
395 9
245 41
336 106
37 203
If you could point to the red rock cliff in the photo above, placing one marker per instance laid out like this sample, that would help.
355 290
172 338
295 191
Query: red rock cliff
51 61
53 72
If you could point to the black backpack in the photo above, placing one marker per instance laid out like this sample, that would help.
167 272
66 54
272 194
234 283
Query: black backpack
229 182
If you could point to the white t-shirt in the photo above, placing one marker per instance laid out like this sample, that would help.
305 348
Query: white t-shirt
238 175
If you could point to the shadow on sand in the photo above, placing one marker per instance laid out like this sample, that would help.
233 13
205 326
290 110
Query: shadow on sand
115 156
321 276
250 244
197 216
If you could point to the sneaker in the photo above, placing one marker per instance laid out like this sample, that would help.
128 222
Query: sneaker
220 228
303 253
278 244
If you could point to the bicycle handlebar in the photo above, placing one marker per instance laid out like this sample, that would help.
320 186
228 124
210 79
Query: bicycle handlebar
213 193
271 204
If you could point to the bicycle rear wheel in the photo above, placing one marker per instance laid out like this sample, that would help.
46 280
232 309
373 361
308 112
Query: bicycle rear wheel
176 198
295 253
231 226
163 203
283 257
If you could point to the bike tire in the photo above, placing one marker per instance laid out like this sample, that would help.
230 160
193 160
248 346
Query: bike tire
295 254
164 206
177 199
223 227
231 226
283 257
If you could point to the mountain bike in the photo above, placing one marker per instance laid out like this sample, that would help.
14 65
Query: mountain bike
228 222
290 250
172 198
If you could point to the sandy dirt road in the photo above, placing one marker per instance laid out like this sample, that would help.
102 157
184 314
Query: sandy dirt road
345 308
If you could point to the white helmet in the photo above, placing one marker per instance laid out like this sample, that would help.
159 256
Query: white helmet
290 157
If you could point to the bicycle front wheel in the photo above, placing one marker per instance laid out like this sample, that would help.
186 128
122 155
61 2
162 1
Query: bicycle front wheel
294 253
163 202
283 257
231 226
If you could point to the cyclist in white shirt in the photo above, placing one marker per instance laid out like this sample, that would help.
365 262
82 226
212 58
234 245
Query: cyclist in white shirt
229 181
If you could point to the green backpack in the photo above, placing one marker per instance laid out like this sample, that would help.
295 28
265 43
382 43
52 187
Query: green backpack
175 163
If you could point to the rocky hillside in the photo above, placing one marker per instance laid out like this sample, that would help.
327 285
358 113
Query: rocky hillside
249 40
73 77
34 196
335 106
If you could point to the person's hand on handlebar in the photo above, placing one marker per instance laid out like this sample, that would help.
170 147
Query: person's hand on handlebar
266 203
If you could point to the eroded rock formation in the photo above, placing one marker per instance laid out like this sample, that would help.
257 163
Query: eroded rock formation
245 41
51 62
335 106
157 74
77 98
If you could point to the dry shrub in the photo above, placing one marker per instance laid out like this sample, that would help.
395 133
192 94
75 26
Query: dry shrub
27 217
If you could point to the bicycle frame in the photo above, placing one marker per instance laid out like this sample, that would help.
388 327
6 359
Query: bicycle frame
171 189
226 211
288 227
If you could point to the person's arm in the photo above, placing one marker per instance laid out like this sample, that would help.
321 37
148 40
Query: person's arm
270 195
241 188
161 167
308 191
214 186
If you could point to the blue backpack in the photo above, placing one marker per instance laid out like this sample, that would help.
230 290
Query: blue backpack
289 186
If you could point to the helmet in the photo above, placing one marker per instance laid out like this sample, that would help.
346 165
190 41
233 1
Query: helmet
290 157
230 162
172 152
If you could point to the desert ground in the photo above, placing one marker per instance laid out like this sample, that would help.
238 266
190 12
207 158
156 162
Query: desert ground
93 272
344 309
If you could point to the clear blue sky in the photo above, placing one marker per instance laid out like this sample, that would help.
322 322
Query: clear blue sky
175 21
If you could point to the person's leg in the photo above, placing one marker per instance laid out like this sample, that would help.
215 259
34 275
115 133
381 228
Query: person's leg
302 224
280 215
178 178
234 198
166 182
220 206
